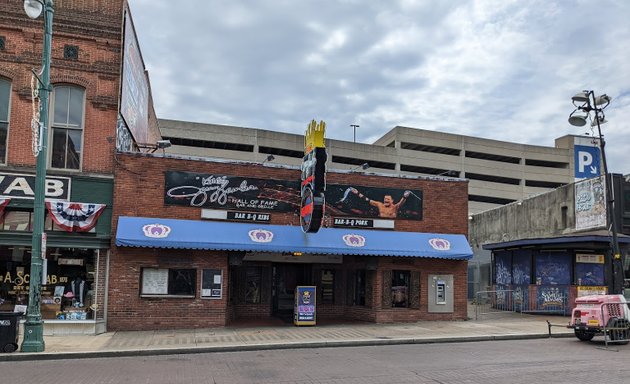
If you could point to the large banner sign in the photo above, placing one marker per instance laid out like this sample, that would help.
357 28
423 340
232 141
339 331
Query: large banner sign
235 193
230 192
590 204
384 203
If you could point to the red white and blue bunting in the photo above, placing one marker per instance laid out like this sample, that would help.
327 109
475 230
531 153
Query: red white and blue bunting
77 217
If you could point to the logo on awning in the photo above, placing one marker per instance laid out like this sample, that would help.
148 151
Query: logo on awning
353 240
440 244
156 231
260 235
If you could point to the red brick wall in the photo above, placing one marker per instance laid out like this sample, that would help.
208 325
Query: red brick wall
95 27
139 191
128 311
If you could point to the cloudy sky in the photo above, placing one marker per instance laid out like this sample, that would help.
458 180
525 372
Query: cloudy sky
496 69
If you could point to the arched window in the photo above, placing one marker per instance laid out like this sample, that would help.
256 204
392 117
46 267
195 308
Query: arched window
5 96
67 127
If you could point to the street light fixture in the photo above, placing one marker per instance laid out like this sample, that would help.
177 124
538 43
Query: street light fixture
354 129
34 327
586 102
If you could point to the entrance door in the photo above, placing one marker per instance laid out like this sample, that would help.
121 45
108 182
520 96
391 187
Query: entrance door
285 278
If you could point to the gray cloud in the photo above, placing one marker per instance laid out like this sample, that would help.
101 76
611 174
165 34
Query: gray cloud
495 69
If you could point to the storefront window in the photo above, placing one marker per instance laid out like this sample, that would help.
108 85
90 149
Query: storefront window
400 289
68 292
168 282
17 221
328 286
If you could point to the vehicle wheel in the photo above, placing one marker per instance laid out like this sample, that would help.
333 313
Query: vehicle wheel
583 335
10 348
620 336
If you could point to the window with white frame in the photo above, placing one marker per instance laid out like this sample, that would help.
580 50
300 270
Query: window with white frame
67 127
5 93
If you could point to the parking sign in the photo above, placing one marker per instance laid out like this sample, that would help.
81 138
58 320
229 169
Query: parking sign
587 162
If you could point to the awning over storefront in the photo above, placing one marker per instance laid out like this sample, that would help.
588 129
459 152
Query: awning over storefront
213 235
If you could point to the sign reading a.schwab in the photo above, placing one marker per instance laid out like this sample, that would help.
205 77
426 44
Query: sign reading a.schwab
587 162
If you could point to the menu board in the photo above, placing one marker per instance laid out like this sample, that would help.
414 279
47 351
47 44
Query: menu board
154 281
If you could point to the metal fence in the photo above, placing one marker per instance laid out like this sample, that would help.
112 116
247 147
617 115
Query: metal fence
497 302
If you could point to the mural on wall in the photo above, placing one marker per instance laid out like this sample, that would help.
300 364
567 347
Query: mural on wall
589 274
385 203
552 299
503 268
553 269
521 268
520 297
590 204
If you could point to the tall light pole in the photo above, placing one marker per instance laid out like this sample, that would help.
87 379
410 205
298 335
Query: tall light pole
34 327
585 103
354 128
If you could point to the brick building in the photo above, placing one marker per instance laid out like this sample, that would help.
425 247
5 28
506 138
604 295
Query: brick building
89 75
242 256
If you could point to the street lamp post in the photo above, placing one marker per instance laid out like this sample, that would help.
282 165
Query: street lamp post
354 130
585 103
34 327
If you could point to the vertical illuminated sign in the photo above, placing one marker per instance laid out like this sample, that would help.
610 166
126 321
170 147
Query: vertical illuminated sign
313 178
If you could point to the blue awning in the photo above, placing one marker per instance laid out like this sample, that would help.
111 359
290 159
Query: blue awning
213 235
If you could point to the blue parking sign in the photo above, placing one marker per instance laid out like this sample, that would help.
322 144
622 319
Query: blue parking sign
587 162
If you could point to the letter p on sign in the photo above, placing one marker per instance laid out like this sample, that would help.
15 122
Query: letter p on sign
586 162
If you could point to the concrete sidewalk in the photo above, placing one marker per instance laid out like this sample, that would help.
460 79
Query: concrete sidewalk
507 326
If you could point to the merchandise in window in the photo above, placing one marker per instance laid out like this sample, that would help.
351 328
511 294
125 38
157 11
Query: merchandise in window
70 282
400 289
5 93
67 127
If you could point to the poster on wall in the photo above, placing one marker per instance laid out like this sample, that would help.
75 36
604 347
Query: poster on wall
230 192
590 291
590 204
384 203
154 281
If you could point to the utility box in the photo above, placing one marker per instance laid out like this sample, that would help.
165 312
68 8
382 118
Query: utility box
440 293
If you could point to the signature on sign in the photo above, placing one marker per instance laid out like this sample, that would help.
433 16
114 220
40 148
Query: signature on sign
213 189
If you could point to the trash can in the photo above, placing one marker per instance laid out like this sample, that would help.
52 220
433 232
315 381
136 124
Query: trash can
9 331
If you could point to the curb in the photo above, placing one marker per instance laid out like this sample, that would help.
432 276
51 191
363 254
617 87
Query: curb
263 347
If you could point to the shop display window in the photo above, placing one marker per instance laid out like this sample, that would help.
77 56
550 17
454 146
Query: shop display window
400 289
168 282
68 290
328 286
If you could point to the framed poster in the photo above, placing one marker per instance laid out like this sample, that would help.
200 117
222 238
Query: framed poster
211 284
154 281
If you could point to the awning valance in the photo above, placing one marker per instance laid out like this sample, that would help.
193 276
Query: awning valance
212 235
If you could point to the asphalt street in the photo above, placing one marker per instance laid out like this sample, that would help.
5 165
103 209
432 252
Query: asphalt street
563 360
